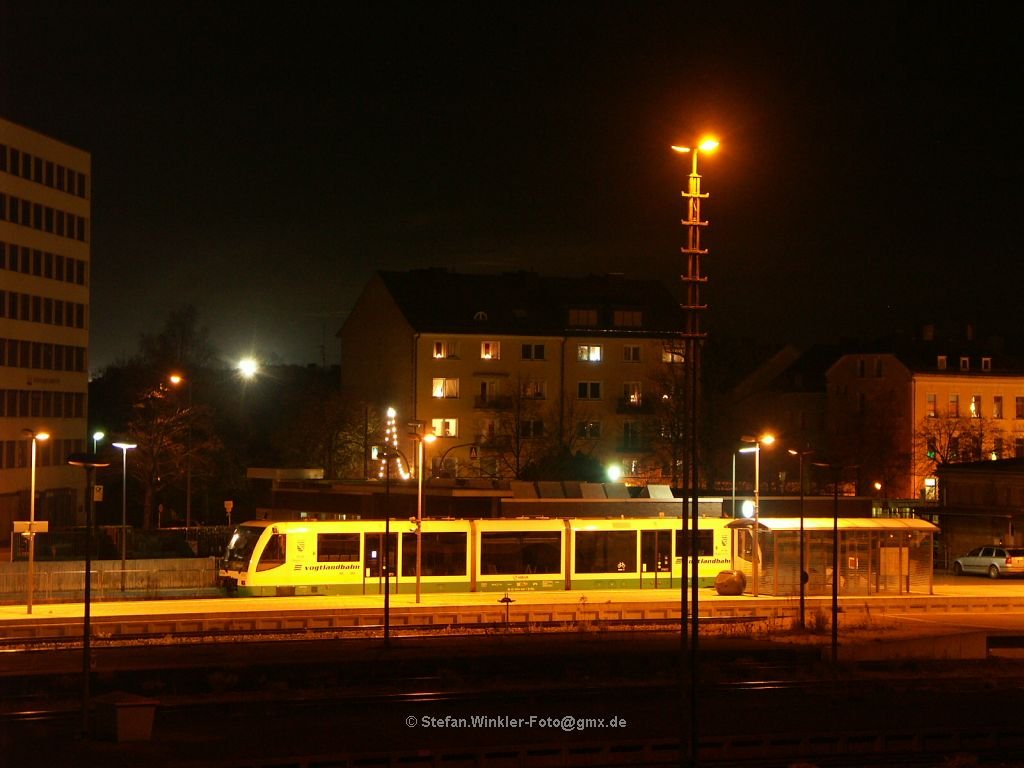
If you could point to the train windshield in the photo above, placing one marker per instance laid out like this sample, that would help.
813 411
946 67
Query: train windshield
240 548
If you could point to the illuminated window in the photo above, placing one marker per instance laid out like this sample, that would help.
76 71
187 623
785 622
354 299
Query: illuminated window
590 353
445 388
534 389
589 390
490 350
975 406
626 318
445 349
445 427
673 355
583 317
631 353
588 430
997 407
933 408
533 352
631 393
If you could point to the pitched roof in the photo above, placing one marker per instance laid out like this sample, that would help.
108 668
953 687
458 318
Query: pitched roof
526 303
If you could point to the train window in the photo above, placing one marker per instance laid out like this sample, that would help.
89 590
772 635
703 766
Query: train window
444 554
240 547
337 548
705 543
274 553
606 551
521 552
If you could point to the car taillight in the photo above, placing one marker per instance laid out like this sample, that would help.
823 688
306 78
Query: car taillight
1009 560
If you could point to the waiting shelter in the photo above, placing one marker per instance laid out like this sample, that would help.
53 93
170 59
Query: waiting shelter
892 556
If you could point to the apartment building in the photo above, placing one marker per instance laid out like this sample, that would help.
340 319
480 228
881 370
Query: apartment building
45 229
899 415
499 366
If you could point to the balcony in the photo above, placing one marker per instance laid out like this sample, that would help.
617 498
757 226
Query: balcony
626 405
492 402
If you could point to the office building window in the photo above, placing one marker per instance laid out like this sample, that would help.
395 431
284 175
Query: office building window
954 406
631 393
1019 407
673 355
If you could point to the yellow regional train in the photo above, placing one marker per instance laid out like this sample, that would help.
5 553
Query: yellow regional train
478 555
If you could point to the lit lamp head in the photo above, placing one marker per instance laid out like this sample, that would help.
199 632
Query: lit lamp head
247 368
176 379
614 473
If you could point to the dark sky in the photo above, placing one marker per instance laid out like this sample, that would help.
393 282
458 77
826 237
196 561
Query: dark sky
262 163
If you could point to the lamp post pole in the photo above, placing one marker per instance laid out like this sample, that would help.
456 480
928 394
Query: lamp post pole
421 440
125 447
757 442
803 565
89 462
177 379
35 437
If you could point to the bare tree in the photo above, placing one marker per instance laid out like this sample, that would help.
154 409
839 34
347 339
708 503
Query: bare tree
954 439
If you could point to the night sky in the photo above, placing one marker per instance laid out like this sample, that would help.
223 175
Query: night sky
260 164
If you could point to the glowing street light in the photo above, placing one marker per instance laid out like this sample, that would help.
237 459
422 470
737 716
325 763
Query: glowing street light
35 437
248 368
97 438
125 447
757 442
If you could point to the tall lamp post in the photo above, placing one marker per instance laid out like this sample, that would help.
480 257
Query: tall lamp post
693 335
757 442
89 462
421 440
837 471
97 438
803 567
125 447
35 437
177 380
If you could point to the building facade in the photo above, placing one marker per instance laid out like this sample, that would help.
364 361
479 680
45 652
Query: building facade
900 415
502 367
45 230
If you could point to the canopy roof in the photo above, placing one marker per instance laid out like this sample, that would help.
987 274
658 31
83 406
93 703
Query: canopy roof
844 523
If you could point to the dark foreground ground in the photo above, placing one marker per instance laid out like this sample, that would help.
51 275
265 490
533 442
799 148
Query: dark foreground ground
583 698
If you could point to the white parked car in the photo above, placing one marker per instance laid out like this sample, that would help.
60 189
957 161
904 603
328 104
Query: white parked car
991 561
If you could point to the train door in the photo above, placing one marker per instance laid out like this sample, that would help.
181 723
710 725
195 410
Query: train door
655 559
373 563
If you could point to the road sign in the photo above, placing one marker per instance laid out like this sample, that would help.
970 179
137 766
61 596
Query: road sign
97 493
26 526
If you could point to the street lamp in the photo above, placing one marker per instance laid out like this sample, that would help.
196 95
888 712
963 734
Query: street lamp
837 471
757 442
248 367
421 440
125 447
177 380
803 568
35 437
89 462
97 438
693 334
